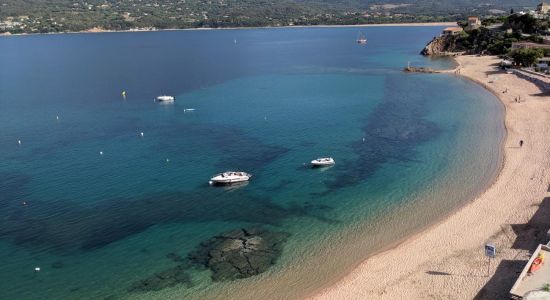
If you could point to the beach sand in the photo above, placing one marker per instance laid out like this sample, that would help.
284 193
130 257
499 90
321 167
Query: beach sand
447 260
101 30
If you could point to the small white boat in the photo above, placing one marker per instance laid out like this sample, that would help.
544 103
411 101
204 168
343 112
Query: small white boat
188 109
165 98
230 177
361 39
323 162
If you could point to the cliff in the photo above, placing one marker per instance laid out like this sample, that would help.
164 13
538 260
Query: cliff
442 45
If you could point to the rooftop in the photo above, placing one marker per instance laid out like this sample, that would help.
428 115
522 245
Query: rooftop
453 29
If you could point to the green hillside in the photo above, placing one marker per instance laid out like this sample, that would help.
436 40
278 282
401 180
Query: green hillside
33 16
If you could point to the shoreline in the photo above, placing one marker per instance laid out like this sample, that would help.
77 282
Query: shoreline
99 30
440 254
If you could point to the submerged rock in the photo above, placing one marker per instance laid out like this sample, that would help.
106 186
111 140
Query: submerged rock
174 257
240 253
162 280
58 265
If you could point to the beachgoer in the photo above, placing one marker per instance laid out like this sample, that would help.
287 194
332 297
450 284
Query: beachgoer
520 143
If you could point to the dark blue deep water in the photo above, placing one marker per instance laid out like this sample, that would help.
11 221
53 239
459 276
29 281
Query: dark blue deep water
266 101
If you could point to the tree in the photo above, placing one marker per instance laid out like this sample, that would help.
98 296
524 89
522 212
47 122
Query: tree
527 57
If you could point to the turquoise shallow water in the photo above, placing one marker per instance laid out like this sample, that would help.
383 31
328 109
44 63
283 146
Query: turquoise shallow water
409 148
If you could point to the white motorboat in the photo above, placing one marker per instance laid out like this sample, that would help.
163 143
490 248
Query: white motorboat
230 177
165 98
323 162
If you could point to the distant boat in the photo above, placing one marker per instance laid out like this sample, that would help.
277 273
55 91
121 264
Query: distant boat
230 177
188 109
323 162
361 39
165 98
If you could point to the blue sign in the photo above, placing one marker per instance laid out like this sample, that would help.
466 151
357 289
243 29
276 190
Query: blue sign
490 250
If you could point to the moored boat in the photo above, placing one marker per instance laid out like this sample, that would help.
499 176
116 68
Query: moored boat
323 162
230 177
165 98
361 39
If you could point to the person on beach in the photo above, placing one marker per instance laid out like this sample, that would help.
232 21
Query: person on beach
520 143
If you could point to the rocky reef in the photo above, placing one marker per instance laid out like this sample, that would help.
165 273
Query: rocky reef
161 280
410 69
240 253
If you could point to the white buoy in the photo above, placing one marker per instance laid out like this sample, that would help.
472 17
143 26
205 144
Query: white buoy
141 133
19 142
363 140
37 269
57 118
100 152
167 160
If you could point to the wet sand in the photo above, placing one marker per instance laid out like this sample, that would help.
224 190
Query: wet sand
447 260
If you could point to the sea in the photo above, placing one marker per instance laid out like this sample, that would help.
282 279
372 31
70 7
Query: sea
105 196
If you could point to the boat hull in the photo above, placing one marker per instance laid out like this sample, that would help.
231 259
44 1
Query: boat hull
321 165
322 162
165 98
229 178
228 181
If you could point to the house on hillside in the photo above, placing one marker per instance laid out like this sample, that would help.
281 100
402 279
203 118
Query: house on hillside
473 23
542 11
543 8
450 31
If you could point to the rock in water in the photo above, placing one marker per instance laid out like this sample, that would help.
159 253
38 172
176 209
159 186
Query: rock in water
58 265
161 280
240 253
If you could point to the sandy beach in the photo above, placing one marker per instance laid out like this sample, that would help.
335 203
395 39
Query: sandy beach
101 30
447 260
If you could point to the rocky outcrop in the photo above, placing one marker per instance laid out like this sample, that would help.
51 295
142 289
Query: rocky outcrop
240 253
420 70
442 46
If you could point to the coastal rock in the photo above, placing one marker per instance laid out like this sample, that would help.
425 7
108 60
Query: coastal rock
420 70
441 46
162 280
240 253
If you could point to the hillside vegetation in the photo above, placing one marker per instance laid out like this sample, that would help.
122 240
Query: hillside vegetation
34 16
497 39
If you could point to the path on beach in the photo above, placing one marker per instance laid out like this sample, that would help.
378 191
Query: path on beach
447 261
